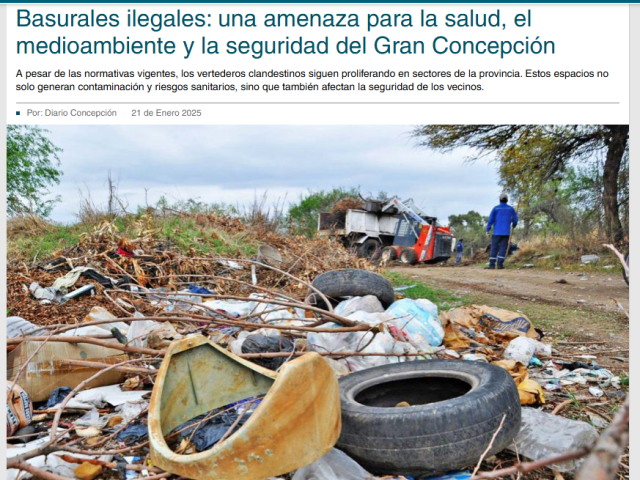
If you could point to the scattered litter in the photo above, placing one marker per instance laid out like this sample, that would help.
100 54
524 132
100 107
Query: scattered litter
47 369
19 409
19 327
335 465
587 259
57 396
87 471
146 278
418 322
522 349
543 435
134 433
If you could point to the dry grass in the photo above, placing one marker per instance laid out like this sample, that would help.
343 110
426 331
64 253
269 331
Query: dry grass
553 251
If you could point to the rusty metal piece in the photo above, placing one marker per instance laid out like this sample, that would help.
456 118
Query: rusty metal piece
297 422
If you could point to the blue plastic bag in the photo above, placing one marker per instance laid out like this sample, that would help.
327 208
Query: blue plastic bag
419 325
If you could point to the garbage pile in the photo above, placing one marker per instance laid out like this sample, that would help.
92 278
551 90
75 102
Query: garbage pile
80 387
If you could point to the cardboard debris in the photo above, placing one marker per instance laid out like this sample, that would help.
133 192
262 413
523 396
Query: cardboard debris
46 370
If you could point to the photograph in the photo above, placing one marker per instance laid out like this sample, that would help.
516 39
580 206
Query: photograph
317 302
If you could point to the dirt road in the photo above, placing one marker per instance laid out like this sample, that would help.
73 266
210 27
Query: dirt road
573 289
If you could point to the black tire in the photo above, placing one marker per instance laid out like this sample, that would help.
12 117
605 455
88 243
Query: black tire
409 256
368 248
427 439
389 254
624 272
350 282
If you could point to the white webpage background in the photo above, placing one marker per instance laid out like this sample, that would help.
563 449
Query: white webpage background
586 37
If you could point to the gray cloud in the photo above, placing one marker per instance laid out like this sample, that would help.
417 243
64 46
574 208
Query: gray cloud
234 163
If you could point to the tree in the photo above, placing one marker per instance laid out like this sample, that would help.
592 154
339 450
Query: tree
470 226
304 214
530 156
32 166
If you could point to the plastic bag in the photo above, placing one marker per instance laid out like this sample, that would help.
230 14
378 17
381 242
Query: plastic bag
134 433
543 435
419 325
365 342
233 307
19 409
205 435
57 396
162 336
91 419
257 343
522 349
139 331
368 303
18 326
270 312
100 314
335 465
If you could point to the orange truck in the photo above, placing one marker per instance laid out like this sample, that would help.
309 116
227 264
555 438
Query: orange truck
390 230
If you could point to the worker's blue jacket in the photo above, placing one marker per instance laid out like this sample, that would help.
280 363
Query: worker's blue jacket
501 218
460 247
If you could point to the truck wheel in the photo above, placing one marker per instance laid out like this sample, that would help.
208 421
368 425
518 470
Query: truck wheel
409 256
455 408
388 254
369 248
350 282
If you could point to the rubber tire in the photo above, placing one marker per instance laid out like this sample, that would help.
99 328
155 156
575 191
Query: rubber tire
435 438
368 248
351 282
624 272
409 256
393 254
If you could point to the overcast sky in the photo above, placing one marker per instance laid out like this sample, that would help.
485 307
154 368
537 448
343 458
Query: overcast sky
233 164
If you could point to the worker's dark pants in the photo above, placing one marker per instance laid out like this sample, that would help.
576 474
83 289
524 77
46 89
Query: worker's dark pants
498 250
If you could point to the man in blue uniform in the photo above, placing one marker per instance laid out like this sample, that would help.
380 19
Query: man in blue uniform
503 218
459 250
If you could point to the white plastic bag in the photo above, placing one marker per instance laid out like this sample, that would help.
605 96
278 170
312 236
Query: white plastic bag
522 349
417 323
99 314
364 342
368 303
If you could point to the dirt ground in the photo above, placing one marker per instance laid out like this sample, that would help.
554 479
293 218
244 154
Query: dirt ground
574 309
588 290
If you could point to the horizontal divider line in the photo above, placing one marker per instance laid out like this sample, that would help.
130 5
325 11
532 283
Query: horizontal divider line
318 103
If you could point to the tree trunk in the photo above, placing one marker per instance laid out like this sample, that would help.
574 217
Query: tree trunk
616 142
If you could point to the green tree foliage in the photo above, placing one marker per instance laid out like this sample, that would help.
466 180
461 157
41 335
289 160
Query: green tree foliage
304 214
531 157
32 166
470 226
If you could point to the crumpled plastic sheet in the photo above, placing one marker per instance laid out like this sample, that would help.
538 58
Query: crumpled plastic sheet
335 465
134 433
543 435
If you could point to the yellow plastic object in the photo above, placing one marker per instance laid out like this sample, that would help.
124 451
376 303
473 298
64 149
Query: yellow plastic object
297 422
